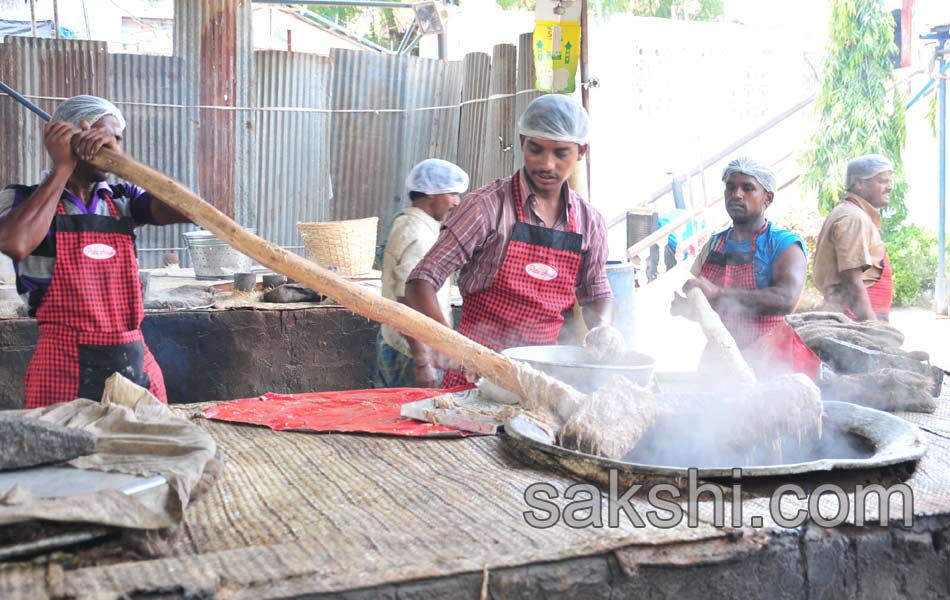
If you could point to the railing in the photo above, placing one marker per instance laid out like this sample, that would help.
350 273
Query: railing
760 142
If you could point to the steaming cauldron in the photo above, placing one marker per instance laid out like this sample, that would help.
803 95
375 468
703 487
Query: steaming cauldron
854 437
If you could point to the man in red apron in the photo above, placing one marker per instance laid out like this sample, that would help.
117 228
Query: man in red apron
851 266
526 246
72 240
753 272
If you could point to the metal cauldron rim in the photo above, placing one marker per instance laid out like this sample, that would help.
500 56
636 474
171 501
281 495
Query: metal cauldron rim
902 442
523 353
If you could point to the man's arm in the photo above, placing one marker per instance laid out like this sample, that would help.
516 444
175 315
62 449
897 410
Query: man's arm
24 227
598 312
163 214
780 298
853 283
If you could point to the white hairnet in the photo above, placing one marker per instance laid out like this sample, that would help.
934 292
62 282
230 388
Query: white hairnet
865 167
555 117
753 168
434 176
90 108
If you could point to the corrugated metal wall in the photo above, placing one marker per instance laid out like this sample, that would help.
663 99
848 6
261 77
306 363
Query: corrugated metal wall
373 148
292 180
156 135
292 160
45 68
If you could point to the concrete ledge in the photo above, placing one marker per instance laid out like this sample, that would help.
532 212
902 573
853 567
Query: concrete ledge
221 355
848 563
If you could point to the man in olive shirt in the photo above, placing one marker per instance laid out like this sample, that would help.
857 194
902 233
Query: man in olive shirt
851 267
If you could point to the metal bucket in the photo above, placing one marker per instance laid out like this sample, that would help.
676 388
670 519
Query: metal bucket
621 276
575 366
213 258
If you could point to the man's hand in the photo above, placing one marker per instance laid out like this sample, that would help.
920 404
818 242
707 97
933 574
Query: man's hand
56 138
709 289
89 141
425 375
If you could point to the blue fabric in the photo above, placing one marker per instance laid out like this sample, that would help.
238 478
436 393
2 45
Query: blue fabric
769 246
674 238
393 368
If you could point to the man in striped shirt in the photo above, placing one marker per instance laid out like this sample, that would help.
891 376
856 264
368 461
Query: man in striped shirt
527 247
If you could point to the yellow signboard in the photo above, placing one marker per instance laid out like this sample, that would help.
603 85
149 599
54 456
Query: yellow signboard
557 46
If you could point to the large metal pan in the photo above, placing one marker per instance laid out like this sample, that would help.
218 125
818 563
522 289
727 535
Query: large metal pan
575 366
854 437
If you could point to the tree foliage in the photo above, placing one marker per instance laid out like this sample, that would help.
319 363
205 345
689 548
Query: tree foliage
859 108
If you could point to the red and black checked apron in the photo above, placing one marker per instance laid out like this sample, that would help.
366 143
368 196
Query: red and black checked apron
881 292
533 286
736 270
89 317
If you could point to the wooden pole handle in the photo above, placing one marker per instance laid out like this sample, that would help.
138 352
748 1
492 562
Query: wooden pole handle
721 341
472 355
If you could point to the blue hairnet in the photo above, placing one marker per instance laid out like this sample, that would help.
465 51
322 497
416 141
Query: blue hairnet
753 168
434 176
90 108
555 117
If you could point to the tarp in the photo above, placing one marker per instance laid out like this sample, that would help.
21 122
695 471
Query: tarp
350 411
135 434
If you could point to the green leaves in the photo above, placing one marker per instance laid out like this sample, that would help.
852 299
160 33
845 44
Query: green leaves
859 108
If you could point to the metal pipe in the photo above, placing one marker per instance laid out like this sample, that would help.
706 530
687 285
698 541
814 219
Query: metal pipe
33 18
16 96
941 284
585 84
56 18
407 35
363 3
941 34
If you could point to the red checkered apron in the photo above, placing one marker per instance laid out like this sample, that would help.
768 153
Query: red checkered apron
881 293
89 317
533 287
736 270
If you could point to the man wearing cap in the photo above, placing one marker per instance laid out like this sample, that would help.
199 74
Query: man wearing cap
526 246
72 239
753 272
435 187
851 267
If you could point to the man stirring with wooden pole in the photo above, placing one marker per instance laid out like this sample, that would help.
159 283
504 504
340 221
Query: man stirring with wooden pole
524 246
72 239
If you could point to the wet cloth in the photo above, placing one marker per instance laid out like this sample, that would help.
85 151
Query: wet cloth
474 237
533 287
137 435
413 234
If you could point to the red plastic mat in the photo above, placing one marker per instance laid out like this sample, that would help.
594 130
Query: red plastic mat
350 411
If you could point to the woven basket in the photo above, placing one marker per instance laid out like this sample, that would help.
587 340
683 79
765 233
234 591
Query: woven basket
347 247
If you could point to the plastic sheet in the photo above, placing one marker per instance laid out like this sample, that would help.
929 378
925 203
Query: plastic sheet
349 411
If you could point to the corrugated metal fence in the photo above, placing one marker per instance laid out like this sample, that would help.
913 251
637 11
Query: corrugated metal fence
319 138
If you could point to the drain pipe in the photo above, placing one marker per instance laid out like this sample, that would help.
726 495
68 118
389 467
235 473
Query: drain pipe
941 34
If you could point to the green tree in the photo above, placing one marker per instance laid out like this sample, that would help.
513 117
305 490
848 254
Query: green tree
859 108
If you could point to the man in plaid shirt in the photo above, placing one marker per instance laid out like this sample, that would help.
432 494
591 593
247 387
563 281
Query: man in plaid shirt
527 247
